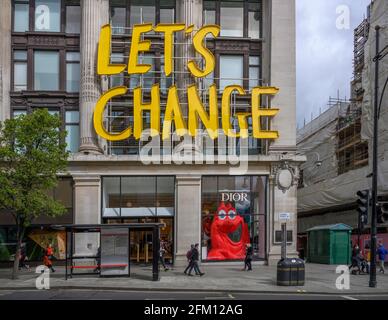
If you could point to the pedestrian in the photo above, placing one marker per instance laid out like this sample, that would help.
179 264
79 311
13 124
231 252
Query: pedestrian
194 261
381 252
23 257
162 252
48 257
248 257
98 260
188 256
356 258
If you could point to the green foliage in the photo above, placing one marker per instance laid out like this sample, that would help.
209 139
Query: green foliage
32 152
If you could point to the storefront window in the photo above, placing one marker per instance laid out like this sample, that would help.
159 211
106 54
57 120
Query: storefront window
135 196
233 214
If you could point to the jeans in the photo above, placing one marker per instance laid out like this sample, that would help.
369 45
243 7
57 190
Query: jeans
194 265
381 264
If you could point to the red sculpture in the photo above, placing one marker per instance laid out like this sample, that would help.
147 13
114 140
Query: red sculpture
229 234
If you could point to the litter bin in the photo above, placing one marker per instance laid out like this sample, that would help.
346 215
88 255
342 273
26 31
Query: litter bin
290 272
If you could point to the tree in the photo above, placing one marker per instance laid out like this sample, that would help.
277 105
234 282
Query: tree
32 152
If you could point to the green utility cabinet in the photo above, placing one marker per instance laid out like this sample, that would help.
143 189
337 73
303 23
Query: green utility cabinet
329 244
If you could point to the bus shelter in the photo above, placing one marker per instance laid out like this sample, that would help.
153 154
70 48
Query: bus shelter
104 250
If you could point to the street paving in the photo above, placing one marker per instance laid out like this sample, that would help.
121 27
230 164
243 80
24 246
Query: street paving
218 282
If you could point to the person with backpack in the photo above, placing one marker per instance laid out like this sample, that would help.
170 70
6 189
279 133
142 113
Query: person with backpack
188 256
381 252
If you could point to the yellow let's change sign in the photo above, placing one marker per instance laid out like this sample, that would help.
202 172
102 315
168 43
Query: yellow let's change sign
173 112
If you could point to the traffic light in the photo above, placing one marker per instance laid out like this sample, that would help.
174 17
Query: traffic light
363 207
382 211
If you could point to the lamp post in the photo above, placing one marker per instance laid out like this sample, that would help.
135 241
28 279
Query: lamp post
372 278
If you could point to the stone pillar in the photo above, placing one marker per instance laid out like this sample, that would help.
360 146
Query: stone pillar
95 13
283 74
188 215
5 58
189 12
87 210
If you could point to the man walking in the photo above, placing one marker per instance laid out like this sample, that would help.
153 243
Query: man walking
189 260
381 252
194 261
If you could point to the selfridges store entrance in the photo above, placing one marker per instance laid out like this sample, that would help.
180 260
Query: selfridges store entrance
141 199
233 214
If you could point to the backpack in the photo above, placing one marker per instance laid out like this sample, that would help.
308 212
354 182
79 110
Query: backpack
188 255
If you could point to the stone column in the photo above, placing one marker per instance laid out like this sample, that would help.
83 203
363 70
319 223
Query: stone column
95 13
87 210
188 215
5 58
189 12
283 74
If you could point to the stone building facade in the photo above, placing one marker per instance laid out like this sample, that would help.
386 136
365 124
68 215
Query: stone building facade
48 59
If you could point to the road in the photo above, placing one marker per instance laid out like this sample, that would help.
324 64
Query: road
70 294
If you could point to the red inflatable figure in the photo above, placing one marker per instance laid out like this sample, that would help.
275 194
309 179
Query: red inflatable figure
229 235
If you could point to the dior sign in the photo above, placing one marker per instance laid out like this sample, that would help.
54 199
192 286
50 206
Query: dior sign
234 196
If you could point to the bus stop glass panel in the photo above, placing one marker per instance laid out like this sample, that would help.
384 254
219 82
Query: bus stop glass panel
114 252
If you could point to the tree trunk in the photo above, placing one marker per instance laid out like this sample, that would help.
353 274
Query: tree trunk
19 239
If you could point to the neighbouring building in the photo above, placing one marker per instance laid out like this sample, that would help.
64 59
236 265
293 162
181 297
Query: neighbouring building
48 60
338 144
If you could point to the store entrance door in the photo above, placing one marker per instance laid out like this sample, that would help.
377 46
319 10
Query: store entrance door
141 247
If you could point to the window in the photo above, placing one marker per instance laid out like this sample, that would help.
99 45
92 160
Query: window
20 70
73 18
21 20
144 80
72 128
117 79
254 71
231 75
254 15
17 113
48 15
142 11
46 70
167 11
237 18
118 20
138 196
232 19
72 71
209 16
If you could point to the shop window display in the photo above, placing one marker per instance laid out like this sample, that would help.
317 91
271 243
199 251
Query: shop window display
233 214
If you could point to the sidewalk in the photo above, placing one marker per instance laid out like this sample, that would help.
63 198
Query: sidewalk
319 279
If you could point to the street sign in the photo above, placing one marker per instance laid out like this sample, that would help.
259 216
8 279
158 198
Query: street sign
284 216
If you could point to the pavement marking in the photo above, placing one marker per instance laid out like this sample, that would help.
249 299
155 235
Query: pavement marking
349 298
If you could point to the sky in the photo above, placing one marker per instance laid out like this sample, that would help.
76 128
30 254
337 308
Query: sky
324 52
